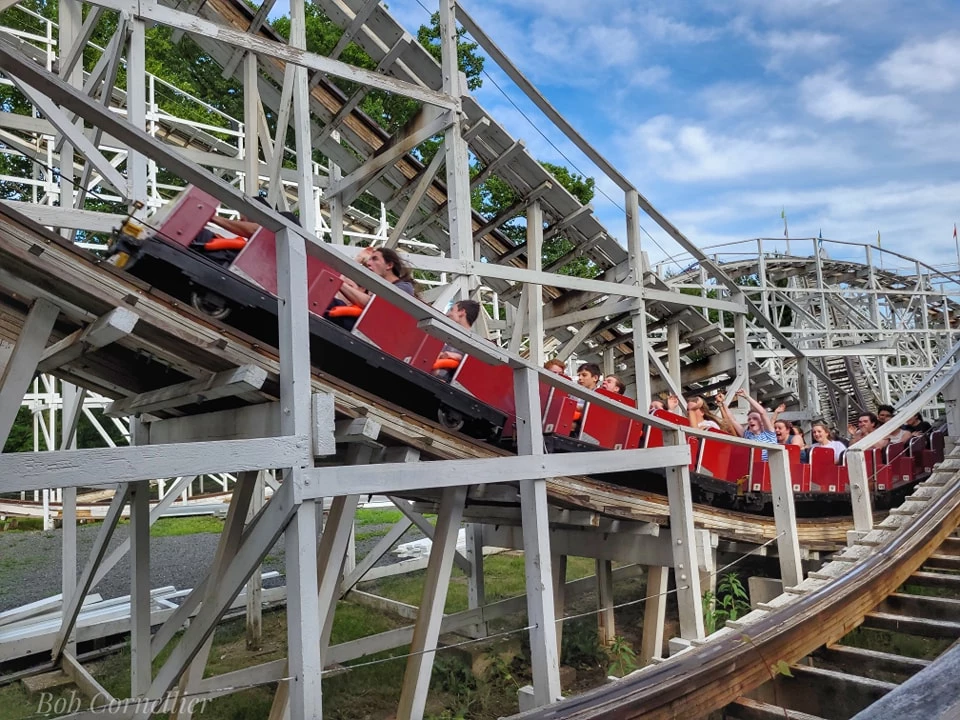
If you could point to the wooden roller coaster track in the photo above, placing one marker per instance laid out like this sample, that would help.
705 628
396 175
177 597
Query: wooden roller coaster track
37 263
820 611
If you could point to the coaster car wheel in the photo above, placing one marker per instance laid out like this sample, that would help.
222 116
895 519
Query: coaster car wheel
450 419
210 304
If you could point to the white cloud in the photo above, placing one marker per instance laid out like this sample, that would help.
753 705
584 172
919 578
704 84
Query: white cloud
664 28
732 99
691 152
828 96
798 41
925 66
653 76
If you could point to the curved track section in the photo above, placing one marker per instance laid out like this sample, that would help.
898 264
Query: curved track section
873 320
819 611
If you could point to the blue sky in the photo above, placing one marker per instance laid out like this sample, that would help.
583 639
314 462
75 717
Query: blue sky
722 112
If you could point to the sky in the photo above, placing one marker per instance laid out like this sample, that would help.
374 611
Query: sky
723 113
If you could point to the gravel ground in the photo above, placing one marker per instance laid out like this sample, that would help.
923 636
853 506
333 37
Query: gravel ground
30 561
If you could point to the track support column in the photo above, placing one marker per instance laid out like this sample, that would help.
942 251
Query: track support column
785 517
536 545
684 545
859 493
416 678
654 613
23 362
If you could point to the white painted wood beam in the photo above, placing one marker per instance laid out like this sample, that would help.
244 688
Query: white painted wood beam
416 678
22 365
424 526
228 383
97 551
73 133
446 473
541 615
424 183
349 186
109 466
785 518
107 329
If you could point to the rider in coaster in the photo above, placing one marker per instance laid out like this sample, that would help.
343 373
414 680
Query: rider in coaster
758 426
614 384
822 437
698 414
556 366
465 314
386 263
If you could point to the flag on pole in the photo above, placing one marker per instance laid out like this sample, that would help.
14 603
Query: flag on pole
954 231
878 238
783 214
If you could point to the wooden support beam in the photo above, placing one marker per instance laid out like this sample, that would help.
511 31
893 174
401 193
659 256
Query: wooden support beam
371 558
22 365
921 607
85 681
932 579
416 678
240 504
99 549
606 624
350 186
445 473
825 693
354 100
654 613
426 528
785 518
413 202
331 554
911 625
867 662
262 12
541 615
354 27
512 211
746 708
228 383
108 466
107 329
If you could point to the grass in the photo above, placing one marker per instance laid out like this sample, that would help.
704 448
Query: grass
369 690
897 643
370 535
21 524
163 527
377 516
170 527
504 577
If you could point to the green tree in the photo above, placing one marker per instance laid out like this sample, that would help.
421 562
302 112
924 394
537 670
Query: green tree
494 196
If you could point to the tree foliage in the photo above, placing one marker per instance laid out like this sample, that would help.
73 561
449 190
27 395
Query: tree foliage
494 196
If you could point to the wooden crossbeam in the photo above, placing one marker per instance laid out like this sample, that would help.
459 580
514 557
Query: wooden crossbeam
238 381
107 329
870 661
911 625
512 211
231 67
747 709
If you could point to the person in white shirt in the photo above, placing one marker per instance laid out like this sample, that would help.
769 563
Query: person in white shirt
822 438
